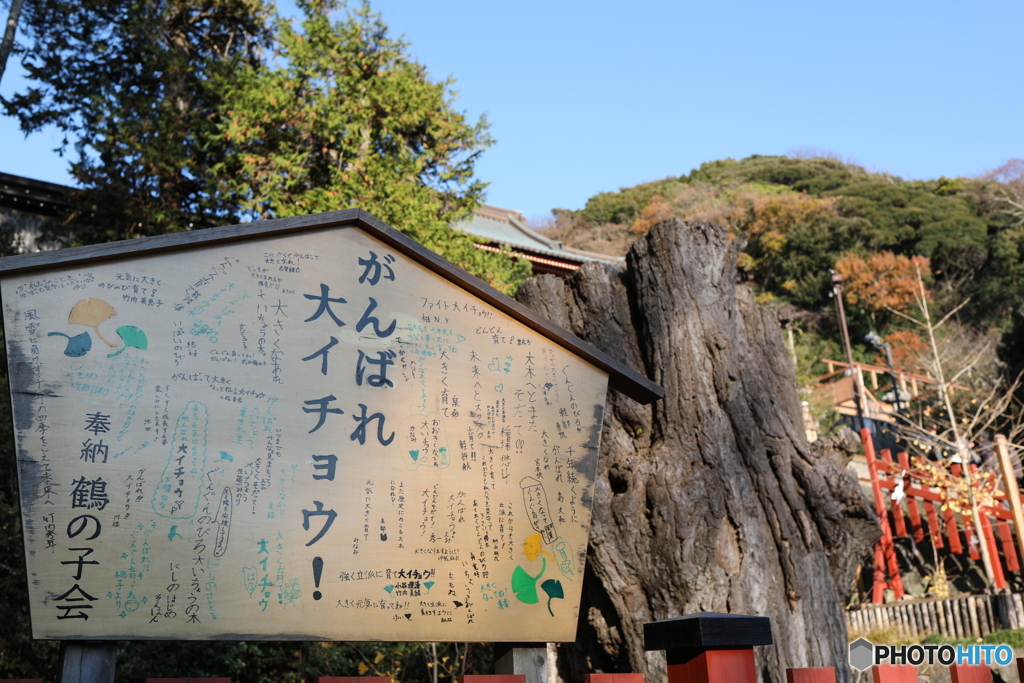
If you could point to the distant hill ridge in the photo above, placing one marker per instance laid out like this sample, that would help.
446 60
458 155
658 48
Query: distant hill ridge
800 215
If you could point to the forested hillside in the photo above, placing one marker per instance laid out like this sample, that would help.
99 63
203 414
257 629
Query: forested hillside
803 217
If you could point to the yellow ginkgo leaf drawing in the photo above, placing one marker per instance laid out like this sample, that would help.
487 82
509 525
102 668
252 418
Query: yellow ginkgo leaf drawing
533 547
92 313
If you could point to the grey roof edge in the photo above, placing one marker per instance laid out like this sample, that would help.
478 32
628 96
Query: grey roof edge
527 235
620 376
530 233
532 241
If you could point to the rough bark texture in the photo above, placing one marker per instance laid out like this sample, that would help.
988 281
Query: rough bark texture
711 499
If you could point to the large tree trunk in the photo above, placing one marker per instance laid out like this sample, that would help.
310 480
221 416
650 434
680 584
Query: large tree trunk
711 499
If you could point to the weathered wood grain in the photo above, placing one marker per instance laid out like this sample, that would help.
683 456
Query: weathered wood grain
87 662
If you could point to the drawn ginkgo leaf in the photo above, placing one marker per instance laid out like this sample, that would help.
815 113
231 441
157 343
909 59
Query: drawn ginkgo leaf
553 587
92 313
533 546
132 337
525 586
78 345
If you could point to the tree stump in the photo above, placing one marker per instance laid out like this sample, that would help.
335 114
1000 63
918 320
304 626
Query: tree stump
712 499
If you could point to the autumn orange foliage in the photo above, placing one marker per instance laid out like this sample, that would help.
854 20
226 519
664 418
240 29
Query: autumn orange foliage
884 280
658 209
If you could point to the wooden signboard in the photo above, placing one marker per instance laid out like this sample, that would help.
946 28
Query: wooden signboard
298 429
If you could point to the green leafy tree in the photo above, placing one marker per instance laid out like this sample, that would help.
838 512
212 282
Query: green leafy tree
156 96
347 119
129 85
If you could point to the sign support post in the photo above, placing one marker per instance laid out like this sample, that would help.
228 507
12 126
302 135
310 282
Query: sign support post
527 659
84 661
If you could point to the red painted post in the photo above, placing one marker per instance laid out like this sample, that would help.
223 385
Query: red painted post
886 542
933 524
990 540
1020 669
894 673
970 673
709 647
614 678
912 510
824 674
716 666
952 532
899 524
1009 551
493 678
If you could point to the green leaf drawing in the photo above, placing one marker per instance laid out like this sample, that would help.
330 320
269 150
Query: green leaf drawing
553 587
525 586
132 337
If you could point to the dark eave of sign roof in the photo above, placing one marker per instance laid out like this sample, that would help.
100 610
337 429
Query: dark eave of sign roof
620 377
34 196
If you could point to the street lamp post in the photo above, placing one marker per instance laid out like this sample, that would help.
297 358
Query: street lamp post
875 340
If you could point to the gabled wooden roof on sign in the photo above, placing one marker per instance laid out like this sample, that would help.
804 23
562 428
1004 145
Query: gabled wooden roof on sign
620 377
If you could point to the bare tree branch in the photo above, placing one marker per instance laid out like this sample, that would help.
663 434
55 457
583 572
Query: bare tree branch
904 315
947 316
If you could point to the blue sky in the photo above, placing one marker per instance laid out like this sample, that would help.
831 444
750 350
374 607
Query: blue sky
589 97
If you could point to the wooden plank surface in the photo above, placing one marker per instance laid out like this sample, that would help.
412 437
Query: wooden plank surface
301 436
